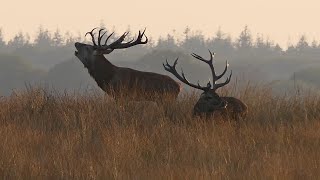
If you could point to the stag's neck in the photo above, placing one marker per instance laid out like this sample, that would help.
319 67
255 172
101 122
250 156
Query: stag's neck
102 72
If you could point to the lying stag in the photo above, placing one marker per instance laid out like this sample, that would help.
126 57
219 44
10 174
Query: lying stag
210 102
113 79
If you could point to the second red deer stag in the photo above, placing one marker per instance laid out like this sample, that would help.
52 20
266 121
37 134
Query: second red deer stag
210 102
113 79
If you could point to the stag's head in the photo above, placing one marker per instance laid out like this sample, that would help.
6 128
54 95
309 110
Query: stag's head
88 53
209 100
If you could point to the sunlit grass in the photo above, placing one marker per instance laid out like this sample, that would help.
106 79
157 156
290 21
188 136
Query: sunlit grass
46 135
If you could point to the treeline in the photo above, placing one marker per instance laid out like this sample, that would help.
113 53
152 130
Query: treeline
49 58
245 44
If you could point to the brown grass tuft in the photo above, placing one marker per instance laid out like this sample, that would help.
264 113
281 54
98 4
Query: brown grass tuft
47 135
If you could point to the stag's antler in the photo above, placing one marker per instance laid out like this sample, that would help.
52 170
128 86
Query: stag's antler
117 44
92 36
215 78
182 77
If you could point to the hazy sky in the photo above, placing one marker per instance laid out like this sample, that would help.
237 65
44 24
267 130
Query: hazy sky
281 20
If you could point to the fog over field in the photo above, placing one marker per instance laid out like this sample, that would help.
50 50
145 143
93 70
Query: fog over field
49 59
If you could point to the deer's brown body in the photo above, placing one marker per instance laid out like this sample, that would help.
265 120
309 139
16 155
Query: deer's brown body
115 80
210 103
233 109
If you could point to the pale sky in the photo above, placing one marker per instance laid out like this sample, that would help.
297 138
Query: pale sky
281 20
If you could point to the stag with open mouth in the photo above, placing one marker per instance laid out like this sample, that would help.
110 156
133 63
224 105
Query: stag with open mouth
210 102
113 79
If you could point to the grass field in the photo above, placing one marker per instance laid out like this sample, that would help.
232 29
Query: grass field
46 135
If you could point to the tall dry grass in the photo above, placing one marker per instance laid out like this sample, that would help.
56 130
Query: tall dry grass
47 135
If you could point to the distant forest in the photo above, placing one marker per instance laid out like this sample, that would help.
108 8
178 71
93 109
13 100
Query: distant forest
49 60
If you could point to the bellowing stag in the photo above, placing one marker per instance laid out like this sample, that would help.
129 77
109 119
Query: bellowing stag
210 102
113 79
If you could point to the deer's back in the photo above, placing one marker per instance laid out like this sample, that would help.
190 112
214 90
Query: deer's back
145 81
235 107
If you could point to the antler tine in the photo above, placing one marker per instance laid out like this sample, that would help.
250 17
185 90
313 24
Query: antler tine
214 76
146 41
105 43
118 41
216 86
182 78
138 40
100 36
90 32
92 36
224 71
175 63
169 68
143 34
210 63
133 42
211 54
144 31
140 36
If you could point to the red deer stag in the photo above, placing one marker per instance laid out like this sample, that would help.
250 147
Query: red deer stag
209 101
113 79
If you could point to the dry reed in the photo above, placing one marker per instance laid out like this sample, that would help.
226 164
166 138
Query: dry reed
50 135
